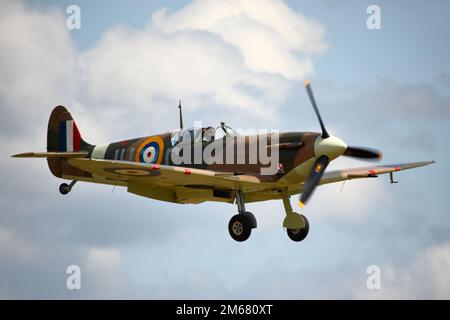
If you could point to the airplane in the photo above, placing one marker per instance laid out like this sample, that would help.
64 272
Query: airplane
145 166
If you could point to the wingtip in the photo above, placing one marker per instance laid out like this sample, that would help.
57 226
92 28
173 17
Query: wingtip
21 155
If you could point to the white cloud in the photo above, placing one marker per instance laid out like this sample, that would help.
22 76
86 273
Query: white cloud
352 204
103 271
410 101
100 259
241 58
424 276
218 56
144 69
268 33
36 66
23 252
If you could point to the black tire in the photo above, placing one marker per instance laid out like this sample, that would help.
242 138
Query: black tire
239 227
298 235
64 188
251 219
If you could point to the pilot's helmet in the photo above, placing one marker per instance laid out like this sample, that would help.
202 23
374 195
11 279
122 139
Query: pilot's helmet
208 134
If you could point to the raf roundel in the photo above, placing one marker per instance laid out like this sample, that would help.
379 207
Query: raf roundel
150 151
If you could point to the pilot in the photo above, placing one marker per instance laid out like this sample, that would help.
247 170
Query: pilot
208 134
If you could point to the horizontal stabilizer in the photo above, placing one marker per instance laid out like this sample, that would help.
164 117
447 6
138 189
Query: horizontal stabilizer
68 155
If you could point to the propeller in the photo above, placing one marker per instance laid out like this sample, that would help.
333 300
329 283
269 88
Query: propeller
313 179
364 153
313 102
327 148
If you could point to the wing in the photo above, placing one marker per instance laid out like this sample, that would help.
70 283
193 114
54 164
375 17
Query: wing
78 154
171 183
342 175
336 176
368 172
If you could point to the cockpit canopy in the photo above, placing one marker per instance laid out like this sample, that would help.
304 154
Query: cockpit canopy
202 135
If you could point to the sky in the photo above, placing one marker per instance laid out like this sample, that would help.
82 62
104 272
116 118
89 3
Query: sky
121 76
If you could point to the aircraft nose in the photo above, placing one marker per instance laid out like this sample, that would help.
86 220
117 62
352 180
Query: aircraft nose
332 147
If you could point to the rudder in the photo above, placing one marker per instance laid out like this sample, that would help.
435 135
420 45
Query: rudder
63 134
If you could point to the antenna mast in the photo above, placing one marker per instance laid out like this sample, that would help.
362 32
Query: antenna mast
181 115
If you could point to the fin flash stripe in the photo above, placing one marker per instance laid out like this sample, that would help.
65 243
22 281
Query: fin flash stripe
69 136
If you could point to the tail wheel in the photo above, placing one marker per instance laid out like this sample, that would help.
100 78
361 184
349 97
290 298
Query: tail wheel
299 234
64 188
240 227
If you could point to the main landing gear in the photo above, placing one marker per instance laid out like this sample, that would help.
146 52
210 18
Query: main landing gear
297 226
65 188
241 225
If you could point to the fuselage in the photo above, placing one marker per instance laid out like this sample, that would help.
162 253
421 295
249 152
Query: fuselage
230 153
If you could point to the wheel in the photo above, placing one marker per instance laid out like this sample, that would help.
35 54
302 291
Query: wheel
251 219
240 227
64 188
299 234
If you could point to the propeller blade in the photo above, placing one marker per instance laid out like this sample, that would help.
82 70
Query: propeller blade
363 153
313 102
313 179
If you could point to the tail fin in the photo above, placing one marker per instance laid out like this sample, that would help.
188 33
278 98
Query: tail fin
63 142
63 134
63 137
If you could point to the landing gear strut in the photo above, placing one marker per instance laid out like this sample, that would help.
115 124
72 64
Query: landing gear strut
297 226
65 188
241 225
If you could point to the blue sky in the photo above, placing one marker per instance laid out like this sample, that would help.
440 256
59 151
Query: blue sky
386 89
